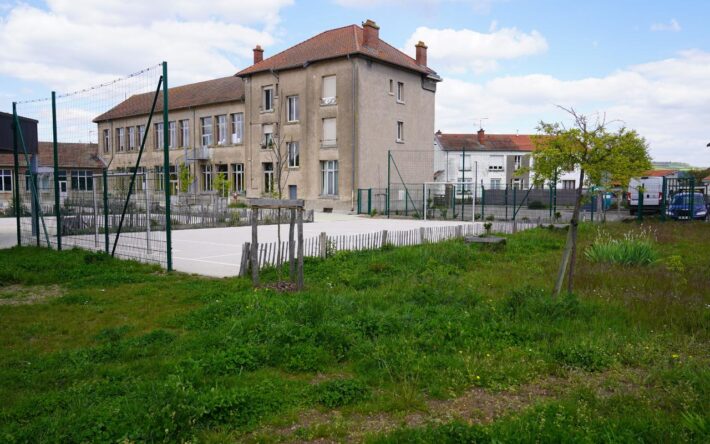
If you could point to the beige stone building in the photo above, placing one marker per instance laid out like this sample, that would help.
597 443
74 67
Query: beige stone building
321 116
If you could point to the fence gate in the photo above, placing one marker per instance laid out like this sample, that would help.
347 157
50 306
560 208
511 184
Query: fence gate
64 196
673 187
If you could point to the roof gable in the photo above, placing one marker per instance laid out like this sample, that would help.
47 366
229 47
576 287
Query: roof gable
334 43
491 142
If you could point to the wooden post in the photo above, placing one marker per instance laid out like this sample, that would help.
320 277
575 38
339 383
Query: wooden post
384 238
300 249
422 234
244 264
459 231
254 247
292 246
323 245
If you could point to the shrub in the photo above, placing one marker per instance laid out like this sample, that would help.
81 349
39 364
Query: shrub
585 355
536 205
340 392
632 249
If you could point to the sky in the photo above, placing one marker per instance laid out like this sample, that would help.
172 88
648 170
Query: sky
506 64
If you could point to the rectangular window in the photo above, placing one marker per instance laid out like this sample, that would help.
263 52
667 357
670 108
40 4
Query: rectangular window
120 139
131 138
328 97
238 177
391 90
293 155
222 129
465 162
222 171
159 136
172 134
400 92
141 134
185 133
517 162
495 184
237 128
292 112
268 140
82 180
107 141
329 173
329 132
206 123
268 177
161 179
400 131
568 184
495 163
267 102
207 177
5 180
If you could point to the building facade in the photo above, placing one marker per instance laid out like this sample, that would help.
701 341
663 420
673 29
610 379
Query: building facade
323 115
496 161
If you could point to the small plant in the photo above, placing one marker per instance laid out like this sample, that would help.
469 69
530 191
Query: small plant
558 216
373 213
487 226
632 249
536 205
490 217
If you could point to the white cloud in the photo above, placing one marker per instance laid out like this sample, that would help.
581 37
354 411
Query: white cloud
665 100
461 50
78 43
481 6
672 26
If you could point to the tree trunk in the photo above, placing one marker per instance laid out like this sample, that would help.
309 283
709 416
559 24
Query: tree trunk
570 250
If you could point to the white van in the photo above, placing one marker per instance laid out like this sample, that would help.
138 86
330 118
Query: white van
652 187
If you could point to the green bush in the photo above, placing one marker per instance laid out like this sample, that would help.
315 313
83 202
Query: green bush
536 205
632 249
340 392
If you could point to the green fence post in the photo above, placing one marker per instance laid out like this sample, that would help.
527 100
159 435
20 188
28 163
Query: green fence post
16 160
387 202
691 213
57 207
664 191
483 202
104 176
515 202
369 201
166 169
639 210
359 203
505 201
550 203
593 201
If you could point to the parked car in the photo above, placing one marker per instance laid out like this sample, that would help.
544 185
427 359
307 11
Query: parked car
680 206
652 187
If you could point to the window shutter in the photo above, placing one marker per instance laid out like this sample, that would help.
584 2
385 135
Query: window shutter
329 132
328 87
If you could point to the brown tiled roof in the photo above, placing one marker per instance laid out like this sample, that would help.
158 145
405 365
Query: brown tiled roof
331 44
659 173
225 89
71 156
491 142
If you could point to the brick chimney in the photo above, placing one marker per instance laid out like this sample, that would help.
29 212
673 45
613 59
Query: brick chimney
258 54
481 136
421 53
370 34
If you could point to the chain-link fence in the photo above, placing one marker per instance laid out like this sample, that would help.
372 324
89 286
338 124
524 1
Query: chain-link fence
64 194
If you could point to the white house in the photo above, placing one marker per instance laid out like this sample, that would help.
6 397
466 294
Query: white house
492 160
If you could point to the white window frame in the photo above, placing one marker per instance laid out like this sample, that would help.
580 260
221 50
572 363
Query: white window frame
131 138
329 177
121 136
329 92
495 184
237 128
517 162
206 134
391 87
238 177
185 133
221 122
294 154
267 99
465 162
6 180
107 140
292 111
141 134
569 184
159 136
400 131
268 177
496 166
207 177
267 138
172 133
400 92
82 180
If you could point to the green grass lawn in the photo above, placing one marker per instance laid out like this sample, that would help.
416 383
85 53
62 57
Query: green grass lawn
437 343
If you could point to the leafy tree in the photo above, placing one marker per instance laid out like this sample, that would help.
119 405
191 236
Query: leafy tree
601 156
221 184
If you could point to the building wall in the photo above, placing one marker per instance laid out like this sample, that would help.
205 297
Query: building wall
216 154
379 112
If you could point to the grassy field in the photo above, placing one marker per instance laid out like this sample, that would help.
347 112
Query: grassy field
437 343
